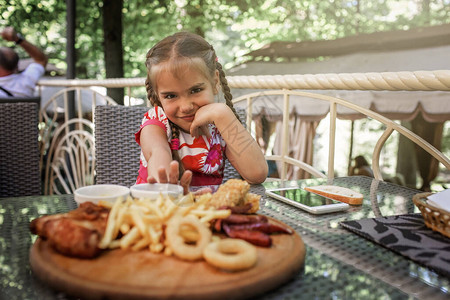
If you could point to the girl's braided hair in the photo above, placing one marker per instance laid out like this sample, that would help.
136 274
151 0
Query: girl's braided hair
181 50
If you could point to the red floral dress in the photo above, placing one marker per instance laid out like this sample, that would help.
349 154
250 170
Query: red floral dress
204 157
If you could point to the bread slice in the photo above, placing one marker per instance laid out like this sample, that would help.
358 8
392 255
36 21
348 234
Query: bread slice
337 193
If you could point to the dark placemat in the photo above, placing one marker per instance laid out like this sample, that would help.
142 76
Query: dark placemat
408 236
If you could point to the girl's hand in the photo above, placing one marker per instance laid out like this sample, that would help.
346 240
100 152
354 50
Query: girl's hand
199 131
173 176
205 115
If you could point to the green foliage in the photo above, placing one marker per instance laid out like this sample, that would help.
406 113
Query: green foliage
234 27
28 17
89 40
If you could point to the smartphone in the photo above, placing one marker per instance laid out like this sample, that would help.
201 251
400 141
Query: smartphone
307 201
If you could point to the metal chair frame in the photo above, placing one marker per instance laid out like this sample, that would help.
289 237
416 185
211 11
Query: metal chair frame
56 122
71 158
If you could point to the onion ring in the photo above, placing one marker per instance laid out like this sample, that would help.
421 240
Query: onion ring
177 243
231 254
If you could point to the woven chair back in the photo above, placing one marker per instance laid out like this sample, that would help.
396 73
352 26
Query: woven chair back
117 153
19 148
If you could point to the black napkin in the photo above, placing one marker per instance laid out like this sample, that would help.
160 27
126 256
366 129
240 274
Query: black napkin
408 236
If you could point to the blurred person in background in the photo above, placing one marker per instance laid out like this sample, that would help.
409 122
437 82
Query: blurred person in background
13 83
361 167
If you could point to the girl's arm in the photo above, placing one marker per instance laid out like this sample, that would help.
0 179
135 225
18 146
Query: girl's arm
242 150
156 150
160 166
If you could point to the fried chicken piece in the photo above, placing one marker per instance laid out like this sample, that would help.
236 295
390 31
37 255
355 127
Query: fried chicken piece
253 199
76 233
233 193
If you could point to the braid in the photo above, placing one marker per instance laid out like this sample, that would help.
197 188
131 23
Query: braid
149 89
226 89
151 94
174 150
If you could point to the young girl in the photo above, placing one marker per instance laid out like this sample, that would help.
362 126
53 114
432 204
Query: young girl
187 131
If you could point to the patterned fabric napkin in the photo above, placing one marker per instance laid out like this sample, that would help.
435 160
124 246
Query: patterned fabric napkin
407 235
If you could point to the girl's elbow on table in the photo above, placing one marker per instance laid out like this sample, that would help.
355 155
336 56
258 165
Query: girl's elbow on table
258 174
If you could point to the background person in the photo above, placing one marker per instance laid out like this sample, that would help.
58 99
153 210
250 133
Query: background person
361 167
13 83
188 131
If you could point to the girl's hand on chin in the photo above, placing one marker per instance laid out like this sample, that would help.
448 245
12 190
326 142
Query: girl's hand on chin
206 115
199 131
173 176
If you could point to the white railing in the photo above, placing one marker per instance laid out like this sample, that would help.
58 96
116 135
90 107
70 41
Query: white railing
438 80
386 81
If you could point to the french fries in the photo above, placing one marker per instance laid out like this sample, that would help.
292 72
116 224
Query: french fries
138 224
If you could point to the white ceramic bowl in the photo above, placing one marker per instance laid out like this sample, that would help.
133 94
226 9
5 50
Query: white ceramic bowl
153 190
105 192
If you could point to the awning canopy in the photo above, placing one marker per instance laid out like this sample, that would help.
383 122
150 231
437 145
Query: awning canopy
403 105
421 37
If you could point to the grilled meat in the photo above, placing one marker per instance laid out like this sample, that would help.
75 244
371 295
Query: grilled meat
76 233
255 229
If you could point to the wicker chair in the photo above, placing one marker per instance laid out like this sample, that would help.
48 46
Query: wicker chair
116 152
19 148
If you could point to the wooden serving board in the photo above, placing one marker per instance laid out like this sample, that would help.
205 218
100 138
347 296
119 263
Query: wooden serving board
124 274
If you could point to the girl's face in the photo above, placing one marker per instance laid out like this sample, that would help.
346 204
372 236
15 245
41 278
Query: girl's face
182 95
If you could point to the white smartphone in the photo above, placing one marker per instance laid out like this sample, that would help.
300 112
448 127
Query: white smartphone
305 200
